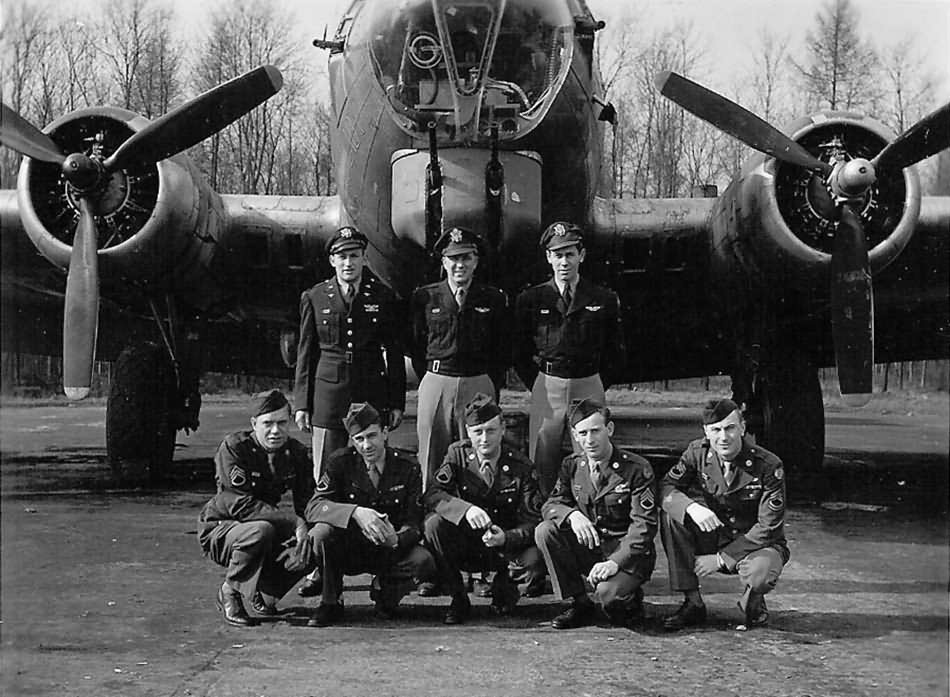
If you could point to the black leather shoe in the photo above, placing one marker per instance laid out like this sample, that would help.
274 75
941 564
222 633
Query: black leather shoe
630 618
756 613
579 614
504 599
459 610
326 614
688 615
386 595
310 588
260 606
232 606
427 589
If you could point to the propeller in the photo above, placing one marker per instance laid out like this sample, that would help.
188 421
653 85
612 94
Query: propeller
846 183
177 130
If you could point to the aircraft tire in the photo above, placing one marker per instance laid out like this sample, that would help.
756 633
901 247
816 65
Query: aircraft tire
140 435
788 418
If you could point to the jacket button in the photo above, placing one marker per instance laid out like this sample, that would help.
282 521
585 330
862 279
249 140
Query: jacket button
349 320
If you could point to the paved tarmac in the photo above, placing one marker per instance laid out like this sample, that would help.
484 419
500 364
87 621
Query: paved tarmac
104 591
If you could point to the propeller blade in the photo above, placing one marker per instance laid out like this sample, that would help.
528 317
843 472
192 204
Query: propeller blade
194 121
81 318
852 309
738 122
927 137
19 134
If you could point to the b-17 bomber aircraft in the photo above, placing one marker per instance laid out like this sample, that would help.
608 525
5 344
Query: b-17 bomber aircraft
488 114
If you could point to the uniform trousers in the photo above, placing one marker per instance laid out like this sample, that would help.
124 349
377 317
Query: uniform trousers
325 441
568 561
440 415
249 551
346 551
459 547
550 401
758 571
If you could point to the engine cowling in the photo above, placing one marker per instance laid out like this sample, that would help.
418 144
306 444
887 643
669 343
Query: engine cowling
158 224
785 215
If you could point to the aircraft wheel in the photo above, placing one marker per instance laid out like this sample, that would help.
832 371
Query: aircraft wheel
787 416
140 434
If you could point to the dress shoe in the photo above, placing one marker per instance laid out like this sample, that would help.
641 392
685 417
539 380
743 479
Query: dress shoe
427 589
688 615
459 610
385 594
579 614
504 598
261 606
326 614
231 604
630 617
311 587
756 613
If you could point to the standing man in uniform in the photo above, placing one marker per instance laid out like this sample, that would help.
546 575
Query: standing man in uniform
243 527
568 344
368 518
600 523
460 345
724 511
483 504
349 351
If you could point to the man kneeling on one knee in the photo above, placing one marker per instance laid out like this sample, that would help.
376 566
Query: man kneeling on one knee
600 521
724 510
368 519
484 501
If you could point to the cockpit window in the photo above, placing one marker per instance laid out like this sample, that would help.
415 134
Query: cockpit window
468 64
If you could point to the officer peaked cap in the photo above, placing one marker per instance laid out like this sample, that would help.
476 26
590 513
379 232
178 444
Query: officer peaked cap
717 409
481 408
266 402
458 240
582 408
360 416
346 238
562 234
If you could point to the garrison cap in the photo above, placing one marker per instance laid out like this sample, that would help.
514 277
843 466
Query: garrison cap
481 408
346 238
458 240
582 408
562 234
266 402
717 409
360 416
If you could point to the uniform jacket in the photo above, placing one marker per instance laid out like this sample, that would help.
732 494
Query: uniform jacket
473 339
622 507
752 509
249 490
340 356
586 338
512 502
346 484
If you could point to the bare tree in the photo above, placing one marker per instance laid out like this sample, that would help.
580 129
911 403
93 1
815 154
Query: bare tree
910 86
839 67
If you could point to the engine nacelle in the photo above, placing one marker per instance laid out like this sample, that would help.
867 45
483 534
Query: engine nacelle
780 219
158 224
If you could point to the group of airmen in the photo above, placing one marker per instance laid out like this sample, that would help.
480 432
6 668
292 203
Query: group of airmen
470 500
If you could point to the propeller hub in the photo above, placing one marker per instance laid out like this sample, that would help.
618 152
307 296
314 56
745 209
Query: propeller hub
82 171
851 180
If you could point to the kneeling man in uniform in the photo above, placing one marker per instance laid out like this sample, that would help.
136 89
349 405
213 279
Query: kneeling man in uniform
600 522
243 527
724 511
484 503
368 519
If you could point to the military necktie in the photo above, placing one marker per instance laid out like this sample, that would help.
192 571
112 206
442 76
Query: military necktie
270 464
373 475
567 297
595 474
349 294
728 472
460 297
488 473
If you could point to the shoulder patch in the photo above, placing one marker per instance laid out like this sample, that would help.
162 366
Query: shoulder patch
444 475
238 476
324 483
777 504
647 502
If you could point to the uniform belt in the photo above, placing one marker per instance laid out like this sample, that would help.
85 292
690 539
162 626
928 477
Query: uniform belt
452 369
568 369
